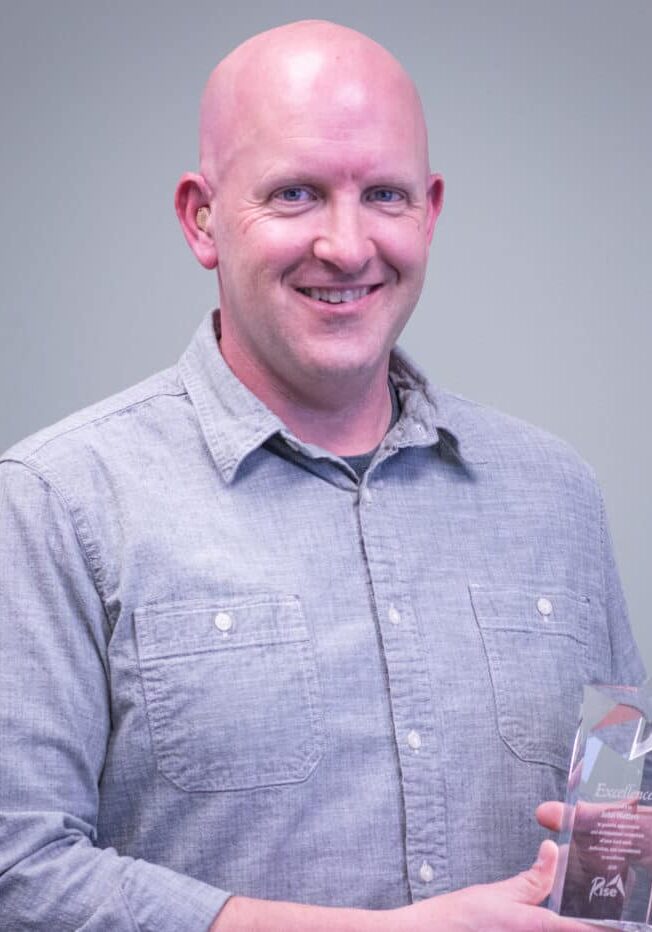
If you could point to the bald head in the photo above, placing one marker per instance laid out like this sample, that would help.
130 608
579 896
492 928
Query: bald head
316 206
282 73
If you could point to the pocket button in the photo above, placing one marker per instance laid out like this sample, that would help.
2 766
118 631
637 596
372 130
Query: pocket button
223 622
544 607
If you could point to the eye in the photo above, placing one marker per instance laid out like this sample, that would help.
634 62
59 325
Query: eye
294 195
386 196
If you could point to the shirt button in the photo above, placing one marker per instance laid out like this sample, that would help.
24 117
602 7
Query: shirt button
414 740
544 607
223 622
365 495
394 615
420 430
426 873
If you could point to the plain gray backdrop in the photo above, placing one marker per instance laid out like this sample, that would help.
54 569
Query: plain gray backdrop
538 296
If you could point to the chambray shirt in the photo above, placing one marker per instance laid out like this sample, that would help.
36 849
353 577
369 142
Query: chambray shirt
229 665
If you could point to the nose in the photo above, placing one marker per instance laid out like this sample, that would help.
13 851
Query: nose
342 240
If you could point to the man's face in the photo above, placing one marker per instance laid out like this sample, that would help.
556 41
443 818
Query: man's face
322 221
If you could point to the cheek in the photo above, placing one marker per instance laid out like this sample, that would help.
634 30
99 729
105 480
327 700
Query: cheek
404 244
281 244
407 254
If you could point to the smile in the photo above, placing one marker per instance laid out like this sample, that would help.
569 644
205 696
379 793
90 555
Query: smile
337 295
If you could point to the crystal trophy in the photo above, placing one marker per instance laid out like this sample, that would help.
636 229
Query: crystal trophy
604 875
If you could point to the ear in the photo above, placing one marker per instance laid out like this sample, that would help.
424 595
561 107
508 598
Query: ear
192 202
435 202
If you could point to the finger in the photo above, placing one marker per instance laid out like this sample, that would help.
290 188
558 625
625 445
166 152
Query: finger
559 924
550 815
533 885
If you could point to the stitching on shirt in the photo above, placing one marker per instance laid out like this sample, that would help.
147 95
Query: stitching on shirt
127 907
101 417
603 577
3 492
85 547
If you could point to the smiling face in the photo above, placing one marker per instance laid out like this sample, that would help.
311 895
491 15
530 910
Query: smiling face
322 211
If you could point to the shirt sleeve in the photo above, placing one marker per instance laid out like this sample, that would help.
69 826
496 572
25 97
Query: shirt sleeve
54 728
627 668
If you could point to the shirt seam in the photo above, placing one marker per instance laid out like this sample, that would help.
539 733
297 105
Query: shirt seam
50 479
128 908
92 421
603 578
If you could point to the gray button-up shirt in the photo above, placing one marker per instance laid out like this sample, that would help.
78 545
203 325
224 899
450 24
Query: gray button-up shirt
229 665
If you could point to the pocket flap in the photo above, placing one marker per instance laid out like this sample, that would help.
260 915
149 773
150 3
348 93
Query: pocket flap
193 627
546 610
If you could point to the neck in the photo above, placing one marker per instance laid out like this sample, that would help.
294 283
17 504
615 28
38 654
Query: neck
344 414
346 429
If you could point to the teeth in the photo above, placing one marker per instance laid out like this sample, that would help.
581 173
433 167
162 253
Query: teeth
335 296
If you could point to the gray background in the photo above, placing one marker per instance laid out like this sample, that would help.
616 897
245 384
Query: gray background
538 297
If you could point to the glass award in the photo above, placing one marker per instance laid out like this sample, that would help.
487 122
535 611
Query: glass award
604 875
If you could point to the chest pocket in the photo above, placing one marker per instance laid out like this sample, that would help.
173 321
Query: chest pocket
231 692
541 648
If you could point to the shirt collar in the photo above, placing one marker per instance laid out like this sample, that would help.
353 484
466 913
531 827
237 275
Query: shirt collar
430 415
235 422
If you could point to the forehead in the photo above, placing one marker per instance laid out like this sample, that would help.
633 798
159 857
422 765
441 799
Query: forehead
353 129
329 162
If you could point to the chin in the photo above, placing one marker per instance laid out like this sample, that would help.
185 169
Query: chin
343 365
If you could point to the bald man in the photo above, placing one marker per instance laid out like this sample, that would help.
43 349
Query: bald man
292 639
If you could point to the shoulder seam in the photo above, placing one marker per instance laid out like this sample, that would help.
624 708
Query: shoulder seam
94 420
49 477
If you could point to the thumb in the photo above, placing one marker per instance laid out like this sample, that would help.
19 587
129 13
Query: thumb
550 815
533 885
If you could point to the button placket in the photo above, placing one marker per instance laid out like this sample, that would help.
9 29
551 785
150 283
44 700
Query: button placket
413 711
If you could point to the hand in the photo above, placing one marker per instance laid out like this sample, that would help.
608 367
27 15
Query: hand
507 906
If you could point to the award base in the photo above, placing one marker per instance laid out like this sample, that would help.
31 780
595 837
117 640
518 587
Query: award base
604 876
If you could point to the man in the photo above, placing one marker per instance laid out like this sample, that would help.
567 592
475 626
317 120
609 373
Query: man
285 621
